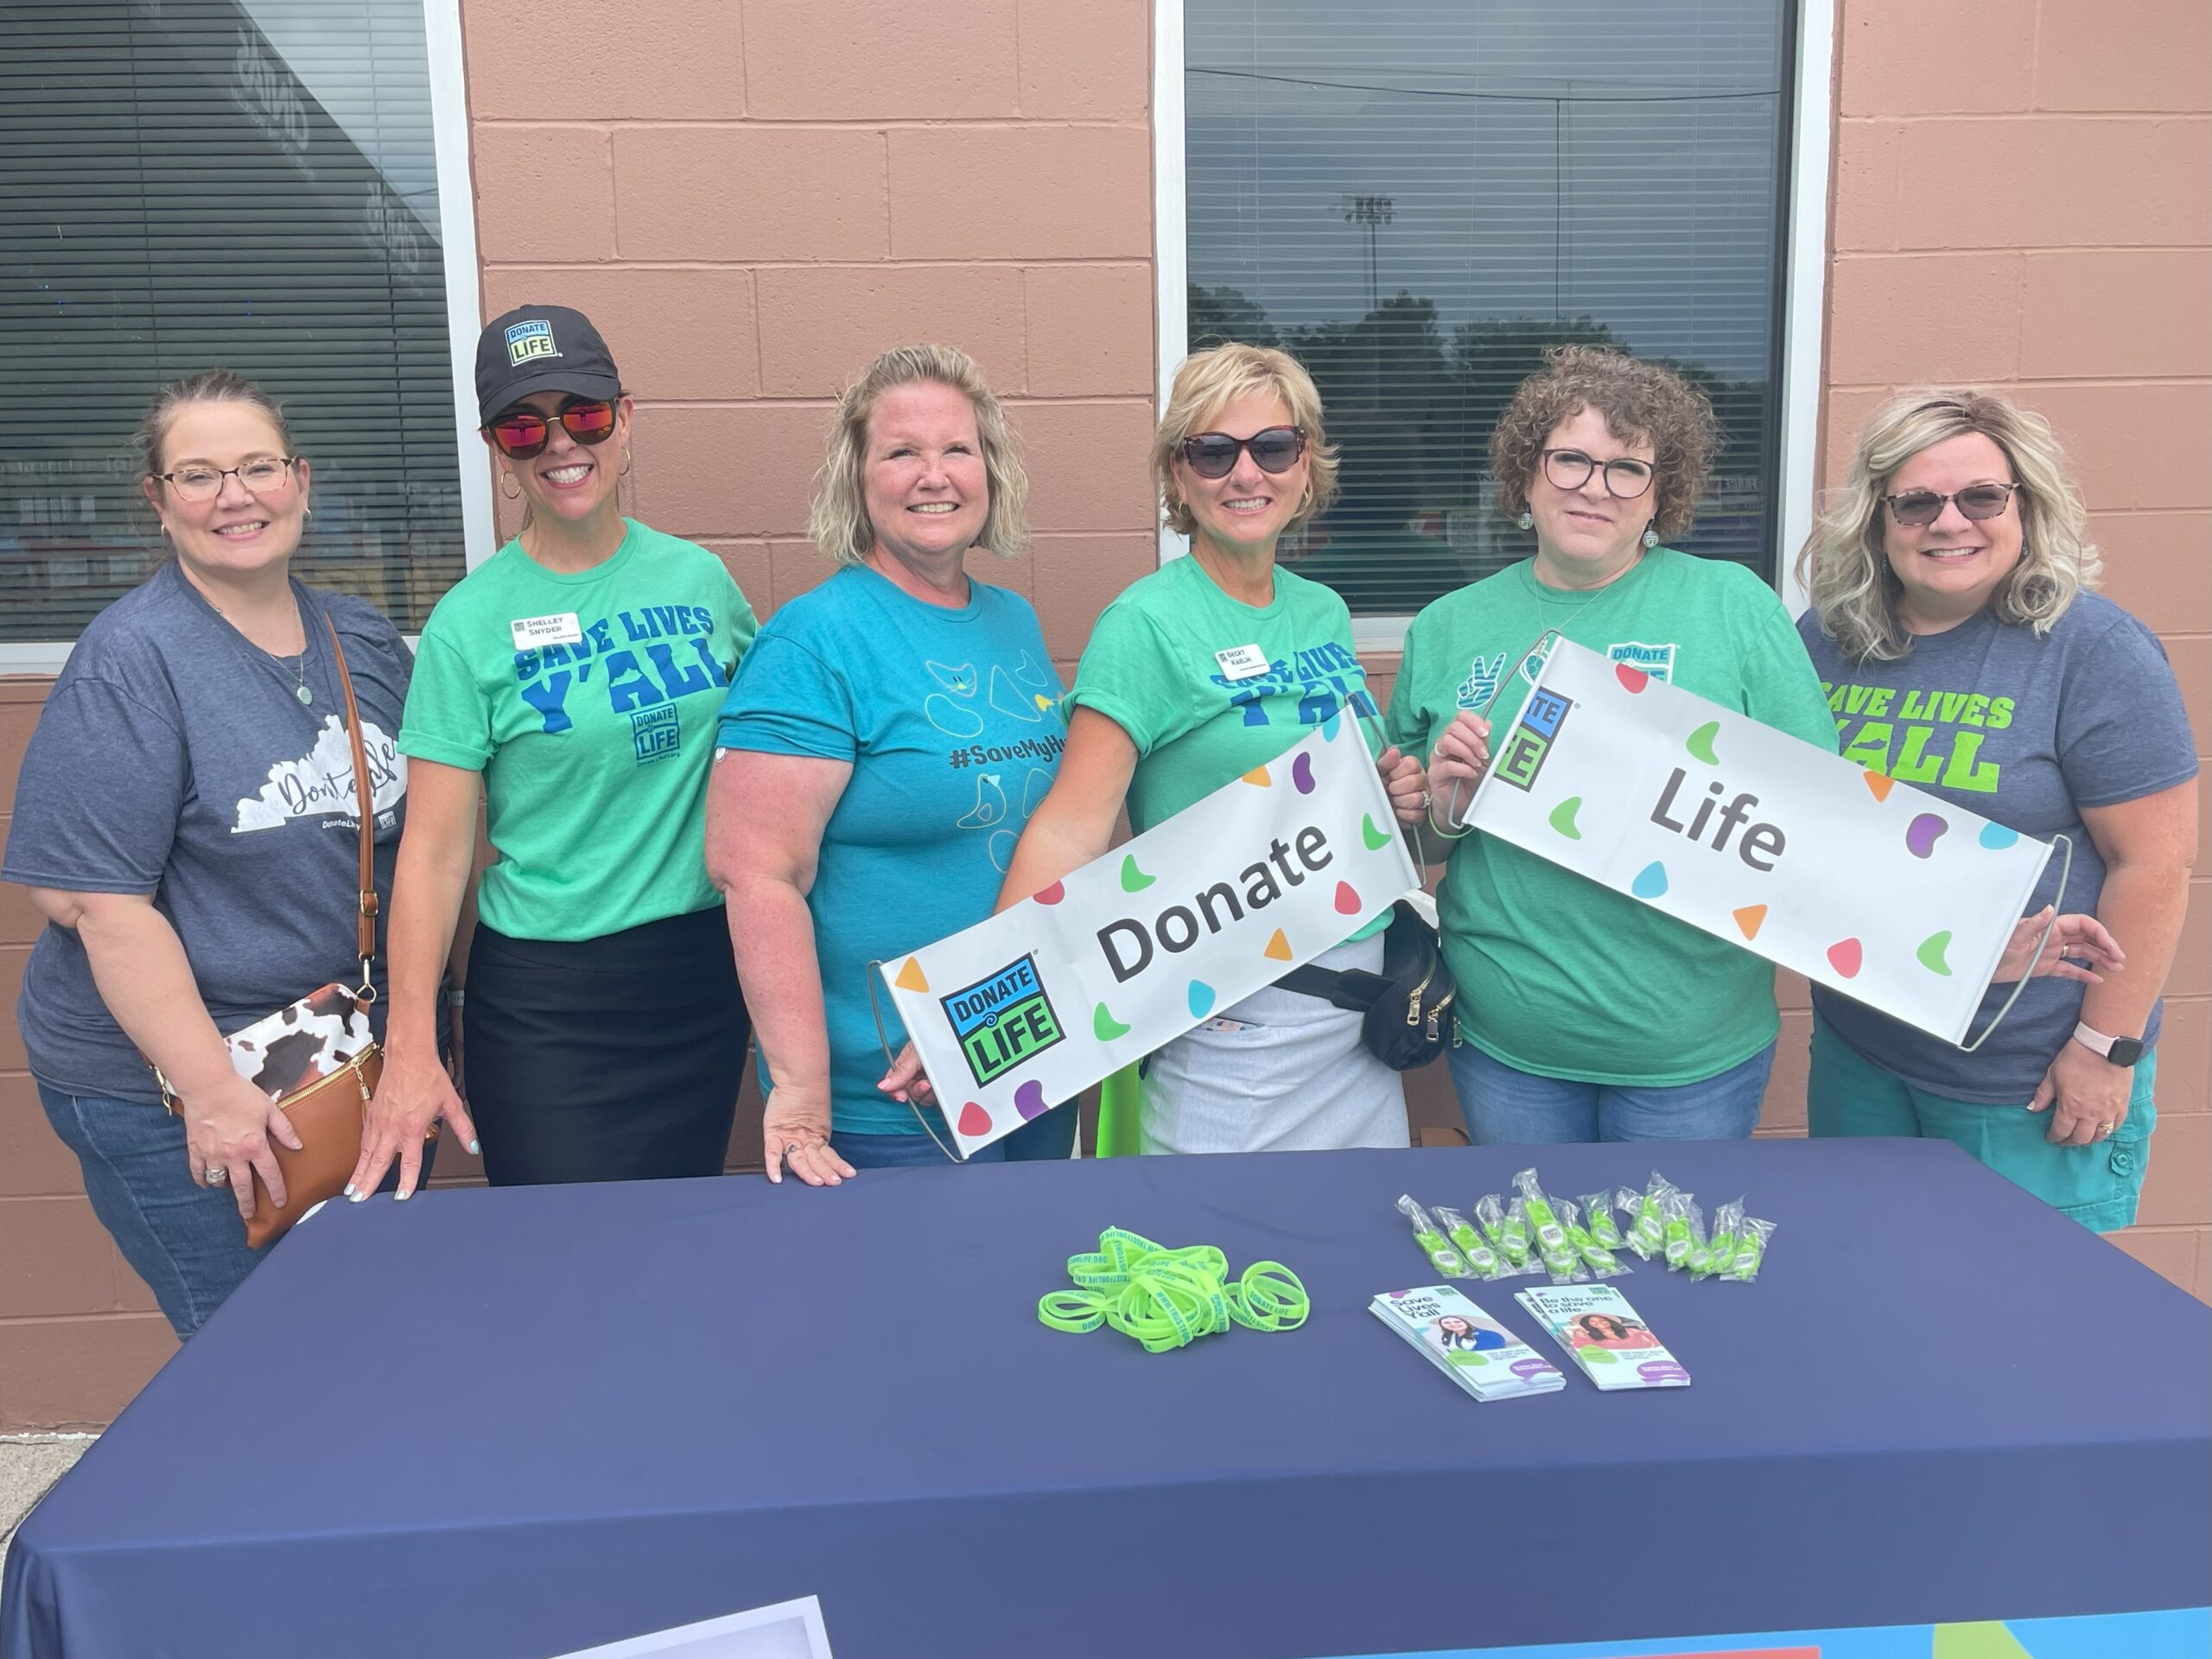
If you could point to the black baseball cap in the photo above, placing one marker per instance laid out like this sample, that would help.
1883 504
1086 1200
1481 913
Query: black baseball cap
540 348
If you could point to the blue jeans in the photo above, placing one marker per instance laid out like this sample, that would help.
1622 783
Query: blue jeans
1050 1136
185 1240
1504 1106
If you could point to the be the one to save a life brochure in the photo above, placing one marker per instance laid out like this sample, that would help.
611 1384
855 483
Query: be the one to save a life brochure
1602 1333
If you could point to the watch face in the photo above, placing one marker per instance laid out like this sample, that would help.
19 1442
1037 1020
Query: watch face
2126 1050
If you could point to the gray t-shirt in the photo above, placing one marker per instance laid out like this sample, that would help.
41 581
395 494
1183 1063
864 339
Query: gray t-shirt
173 758
2026 731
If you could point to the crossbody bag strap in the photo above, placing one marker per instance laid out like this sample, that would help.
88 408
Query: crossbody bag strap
365 926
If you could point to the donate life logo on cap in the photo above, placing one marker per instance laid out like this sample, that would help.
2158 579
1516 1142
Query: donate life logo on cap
527 341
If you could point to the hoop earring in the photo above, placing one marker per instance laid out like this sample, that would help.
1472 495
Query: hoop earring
1650 537
1526 521
625 473
515 494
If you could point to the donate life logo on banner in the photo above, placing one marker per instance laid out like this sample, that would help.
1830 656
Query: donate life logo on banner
1019 1014
1863 884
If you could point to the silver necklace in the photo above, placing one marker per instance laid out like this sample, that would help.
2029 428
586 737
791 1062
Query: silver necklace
303 691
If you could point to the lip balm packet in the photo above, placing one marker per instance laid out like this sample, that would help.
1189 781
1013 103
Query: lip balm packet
1601 1262
1721 1246
1598 1217
1485 1261
1552 1241
1684 1229
1647 1214
1442 1255
1751 1251
1508 1229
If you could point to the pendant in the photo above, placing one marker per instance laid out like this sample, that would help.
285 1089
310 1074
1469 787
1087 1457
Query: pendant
304 694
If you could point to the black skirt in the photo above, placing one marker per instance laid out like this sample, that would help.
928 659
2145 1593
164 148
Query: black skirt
611 1059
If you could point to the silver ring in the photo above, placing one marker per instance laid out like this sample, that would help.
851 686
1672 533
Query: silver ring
216 1174
1425 798
2104 1129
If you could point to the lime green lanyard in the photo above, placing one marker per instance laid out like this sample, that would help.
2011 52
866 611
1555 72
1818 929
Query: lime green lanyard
1169 1299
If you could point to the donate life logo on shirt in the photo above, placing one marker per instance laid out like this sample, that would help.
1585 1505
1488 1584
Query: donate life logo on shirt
664 653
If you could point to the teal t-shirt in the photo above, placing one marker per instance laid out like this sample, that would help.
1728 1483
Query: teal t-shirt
1556 975
1155 667
951 720
594 751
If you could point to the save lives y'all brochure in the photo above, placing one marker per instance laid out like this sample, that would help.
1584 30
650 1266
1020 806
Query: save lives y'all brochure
1465 1343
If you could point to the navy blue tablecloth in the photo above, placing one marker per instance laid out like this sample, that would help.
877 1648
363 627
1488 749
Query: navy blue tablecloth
513 1423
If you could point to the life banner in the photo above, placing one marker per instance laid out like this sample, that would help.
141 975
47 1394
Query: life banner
1021 1013
1865 885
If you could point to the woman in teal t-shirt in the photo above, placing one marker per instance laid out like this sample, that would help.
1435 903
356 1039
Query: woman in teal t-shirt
574 680
1582 1014
1216 665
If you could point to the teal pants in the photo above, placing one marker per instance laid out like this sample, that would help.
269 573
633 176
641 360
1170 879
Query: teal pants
2097 1184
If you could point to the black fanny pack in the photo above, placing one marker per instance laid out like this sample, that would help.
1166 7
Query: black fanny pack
1406 1008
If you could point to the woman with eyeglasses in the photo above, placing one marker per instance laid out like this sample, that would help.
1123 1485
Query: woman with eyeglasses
1211 666
1583 1015
185 821
1964 652
572 681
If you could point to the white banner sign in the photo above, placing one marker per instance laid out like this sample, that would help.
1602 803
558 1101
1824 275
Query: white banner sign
1865 885
1019 1014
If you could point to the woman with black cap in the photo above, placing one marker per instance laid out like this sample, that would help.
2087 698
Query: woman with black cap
574 677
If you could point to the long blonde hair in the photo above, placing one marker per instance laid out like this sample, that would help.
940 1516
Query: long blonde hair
1847 572
1208 382
839 522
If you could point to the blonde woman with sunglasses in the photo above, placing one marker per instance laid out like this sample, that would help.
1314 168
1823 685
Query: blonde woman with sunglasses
1955 629
572 681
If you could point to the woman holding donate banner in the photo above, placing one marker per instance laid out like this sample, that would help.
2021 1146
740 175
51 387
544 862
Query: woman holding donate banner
1584 1015
1964 653
1195 675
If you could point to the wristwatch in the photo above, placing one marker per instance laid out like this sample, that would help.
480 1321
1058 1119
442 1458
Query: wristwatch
2121 1051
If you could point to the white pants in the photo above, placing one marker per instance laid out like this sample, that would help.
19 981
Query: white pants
1279 1071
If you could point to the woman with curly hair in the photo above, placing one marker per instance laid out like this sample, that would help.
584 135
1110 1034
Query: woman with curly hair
1582 1014
1963 651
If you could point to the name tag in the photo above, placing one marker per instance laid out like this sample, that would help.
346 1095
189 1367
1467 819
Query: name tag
533 631
1242 662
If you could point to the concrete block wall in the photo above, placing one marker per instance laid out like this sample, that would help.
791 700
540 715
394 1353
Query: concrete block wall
2022 199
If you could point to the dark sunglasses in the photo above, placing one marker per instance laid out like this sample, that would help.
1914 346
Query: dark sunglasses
1213 455
523 433
1976 501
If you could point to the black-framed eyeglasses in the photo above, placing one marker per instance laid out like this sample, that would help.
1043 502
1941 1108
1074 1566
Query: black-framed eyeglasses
1976 501
1274 450
1626 478
264 475
522 432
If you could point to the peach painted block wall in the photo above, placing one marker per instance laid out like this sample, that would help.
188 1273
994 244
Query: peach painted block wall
2022 199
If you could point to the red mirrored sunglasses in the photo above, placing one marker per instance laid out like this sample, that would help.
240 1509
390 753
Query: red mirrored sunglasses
522 433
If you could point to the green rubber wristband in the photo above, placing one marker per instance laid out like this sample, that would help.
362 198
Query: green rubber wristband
1165 1298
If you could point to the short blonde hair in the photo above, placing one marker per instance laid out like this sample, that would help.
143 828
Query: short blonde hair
838 523
1208 382
1847 572
1639 400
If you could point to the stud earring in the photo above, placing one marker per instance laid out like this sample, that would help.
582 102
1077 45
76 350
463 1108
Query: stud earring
1527 520
1650 537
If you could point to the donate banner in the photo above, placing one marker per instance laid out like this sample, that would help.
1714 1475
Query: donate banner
1022 1011
1865 885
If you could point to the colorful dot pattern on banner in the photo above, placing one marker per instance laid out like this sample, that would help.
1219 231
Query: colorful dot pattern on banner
974 1120
1699 743
910 977
1848 957
1257 775
1749 918
1329 726
1997 837
1931 953
1104 1026
1301 773
1632 680
1029 1100
1277 947
1562 819
1051 895
1923 832
1878 785
1373 839
1347 899
1650 881
1133 879
1200 997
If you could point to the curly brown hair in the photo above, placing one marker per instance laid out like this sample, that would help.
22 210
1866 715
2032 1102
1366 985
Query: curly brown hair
1638 400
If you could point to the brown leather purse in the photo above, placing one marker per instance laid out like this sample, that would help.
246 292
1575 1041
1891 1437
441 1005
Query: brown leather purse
316 1057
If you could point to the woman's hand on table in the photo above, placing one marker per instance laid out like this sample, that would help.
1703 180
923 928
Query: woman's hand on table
1405 784
2078 947
795 1135
2086 1095
227 1130
413 1093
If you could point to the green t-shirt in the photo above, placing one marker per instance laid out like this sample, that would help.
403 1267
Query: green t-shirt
1556 975
595 741
1154 666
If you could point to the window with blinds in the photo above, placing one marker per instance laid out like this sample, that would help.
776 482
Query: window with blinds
1416 197
248 183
